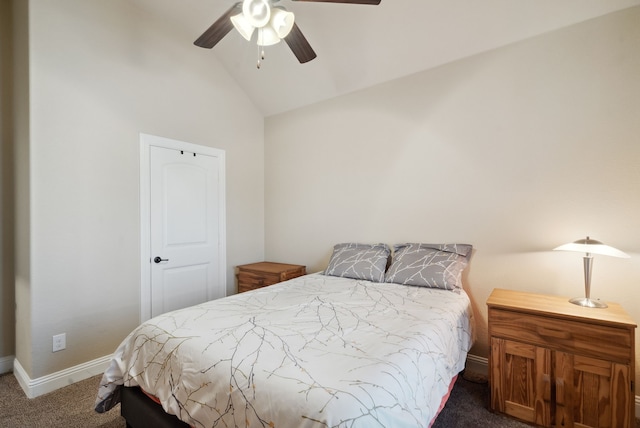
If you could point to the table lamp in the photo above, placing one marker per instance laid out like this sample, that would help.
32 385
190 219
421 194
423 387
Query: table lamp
589 247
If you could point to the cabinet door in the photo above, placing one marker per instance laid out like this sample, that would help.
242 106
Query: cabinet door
521 381
591 392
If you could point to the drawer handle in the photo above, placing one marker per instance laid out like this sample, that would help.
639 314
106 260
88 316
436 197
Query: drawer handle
547 332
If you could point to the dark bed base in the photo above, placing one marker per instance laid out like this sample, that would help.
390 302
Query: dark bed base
142 412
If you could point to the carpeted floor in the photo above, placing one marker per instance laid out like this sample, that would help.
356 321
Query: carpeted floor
68 407
468 407
72 407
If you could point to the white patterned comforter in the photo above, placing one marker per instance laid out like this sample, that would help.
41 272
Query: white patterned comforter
315 351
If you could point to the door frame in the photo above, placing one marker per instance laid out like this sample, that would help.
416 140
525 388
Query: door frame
146 142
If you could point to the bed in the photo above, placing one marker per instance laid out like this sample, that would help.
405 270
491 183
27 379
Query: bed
321 350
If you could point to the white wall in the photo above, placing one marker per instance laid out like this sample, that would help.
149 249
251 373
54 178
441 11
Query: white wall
22 194
101 73
515 151
7 289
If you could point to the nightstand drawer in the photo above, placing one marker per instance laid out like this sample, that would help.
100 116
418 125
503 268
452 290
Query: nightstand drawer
257 275
251 279
598 341
290 274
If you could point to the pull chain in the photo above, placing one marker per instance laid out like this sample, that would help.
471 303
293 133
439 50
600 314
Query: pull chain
260 50
260 56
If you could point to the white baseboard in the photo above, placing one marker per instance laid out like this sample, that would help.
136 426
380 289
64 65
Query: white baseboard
480 365
45 384
6 364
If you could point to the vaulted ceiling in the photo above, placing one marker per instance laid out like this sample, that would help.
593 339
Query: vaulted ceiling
361 45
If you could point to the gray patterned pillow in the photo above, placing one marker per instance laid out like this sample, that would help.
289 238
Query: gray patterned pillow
359 261
429 265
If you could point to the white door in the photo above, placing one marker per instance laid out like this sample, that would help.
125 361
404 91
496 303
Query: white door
186 201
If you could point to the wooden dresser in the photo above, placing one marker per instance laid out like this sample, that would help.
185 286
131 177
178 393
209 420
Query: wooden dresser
553 363
257 275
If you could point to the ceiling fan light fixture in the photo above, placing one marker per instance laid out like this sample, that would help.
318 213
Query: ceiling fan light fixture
282 21
274 23
267 36
257 12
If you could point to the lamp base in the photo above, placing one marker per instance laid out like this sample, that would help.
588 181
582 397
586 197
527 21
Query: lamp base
588 303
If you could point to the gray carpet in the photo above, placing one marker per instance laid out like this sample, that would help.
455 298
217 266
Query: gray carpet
468 407
72 406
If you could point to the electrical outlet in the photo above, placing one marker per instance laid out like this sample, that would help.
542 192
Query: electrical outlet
59 342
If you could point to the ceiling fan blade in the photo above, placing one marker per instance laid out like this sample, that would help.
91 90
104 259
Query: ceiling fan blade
299 45
218 29
372 2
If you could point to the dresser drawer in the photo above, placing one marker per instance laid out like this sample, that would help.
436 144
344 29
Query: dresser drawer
581 338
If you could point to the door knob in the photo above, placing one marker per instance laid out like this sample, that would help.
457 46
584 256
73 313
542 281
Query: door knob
158 259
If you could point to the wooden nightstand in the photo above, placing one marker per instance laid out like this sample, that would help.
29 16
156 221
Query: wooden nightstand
553 363
257 275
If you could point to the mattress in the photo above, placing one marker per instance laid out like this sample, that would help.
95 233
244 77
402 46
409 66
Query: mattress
314 351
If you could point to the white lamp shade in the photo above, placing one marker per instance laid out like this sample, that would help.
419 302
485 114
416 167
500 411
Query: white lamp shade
267 36
591 246
257 12
273 24
281 21
242 24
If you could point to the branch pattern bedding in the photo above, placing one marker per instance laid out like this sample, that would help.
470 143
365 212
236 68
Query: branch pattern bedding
315 351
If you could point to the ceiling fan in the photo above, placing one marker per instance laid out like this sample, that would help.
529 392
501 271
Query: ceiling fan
273 23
